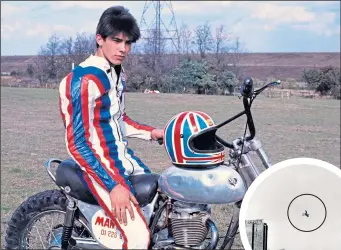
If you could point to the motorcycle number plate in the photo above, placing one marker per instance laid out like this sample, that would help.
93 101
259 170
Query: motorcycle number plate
105 230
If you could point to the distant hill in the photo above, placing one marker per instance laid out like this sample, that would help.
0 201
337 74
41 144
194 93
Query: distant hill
257 65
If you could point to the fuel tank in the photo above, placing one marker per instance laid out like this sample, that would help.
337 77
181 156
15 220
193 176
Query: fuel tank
219 185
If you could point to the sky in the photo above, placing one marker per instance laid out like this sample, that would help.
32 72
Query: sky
261 26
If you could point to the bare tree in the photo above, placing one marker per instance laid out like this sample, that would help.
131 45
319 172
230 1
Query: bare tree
46 64
51 51
41 67
154 48
221 43
233 58
66 56
185 39
84 46
203 39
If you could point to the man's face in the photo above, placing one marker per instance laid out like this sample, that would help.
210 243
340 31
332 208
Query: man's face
116 48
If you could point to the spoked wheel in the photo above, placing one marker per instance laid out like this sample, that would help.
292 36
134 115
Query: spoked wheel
38 223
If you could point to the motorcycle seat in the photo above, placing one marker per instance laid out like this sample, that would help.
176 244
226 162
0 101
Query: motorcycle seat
70 174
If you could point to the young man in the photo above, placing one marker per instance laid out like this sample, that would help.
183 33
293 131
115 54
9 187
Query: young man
92 108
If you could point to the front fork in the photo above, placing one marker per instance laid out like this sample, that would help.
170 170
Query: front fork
247 168
68 223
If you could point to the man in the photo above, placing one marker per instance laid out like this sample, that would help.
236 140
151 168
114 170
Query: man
92 108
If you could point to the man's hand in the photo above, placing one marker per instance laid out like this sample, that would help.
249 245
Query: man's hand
157 134
120 200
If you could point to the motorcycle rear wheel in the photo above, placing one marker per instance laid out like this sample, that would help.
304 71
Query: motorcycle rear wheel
21 225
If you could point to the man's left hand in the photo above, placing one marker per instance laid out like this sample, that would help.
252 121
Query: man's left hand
157 134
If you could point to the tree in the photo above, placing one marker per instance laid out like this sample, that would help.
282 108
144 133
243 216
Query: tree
84 45
221 39
329 82
312 77
51 51
203 39
154 48
41 69
30 70
66 56
46 64
185 39
227 81
233 58
325 81
191 75
153 60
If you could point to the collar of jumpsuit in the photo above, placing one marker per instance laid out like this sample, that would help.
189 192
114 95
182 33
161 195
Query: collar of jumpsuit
99 62
102 63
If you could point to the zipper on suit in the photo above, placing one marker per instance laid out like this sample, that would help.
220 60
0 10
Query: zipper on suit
117 125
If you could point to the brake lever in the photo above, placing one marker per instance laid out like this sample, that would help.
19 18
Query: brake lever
258 91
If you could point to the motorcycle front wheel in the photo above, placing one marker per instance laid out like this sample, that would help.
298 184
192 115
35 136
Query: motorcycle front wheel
38 222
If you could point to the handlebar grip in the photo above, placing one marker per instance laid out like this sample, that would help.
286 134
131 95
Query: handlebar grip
247 88
160 141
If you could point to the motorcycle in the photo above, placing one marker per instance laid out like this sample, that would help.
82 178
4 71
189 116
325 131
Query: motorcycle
176 204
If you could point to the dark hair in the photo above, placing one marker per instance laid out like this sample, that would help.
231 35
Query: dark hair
115 20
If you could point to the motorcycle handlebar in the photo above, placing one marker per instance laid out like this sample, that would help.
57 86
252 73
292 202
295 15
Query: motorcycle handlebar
247 91
250 123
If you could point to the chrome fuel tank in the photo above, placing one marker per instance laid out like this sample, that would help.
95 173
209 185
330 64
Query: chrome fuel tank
219 185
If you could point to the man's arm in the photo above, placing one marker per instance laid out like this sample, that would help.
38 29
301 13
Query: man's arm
88 139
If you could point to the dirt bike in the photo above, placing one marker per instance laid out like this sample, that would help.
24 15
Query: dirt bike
176 204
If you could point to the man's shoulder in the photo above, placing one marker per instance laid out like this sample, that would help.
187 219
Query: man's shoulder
89 70
89 67
92 74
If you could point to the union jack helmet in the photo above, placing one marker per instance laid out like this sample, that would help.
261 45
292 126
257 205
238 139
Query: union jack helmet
189 139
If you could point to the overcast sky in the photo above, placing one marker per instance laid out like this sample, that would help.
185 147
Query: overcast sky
301 26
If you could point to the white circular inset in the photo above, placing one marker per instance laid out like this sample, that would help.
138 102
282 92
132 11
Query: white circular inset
299 200
307 212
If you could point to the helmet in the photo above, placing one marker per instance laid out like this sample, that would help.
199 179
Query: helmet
189 139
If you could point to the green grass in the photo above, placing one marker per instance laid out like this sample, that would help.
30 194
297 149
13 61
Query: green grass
32 132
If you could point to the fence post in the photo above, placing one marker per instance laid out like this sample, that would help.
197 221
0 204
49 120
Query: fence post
253 237
265 236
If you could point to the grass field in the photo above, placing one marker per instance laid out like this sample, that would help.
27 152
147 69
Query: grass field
32 132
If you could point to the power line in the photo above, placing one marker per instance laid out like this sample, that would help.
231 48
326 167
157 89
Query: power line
42 14
39 7
31 10
52 12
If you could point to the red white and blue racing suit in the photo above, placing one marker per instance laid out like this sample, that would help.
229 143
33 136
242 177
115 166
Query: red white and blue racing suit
92 109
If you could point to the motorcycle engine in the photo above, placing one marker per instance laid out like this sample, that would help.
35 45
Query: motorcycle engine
188 223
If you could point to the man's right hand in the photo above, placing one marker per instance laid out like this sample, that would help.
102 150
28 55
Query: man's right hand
120 200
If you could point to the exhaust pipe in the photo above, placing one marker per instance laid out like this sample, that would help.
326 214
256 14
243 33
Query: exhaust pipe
214 235
84 243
